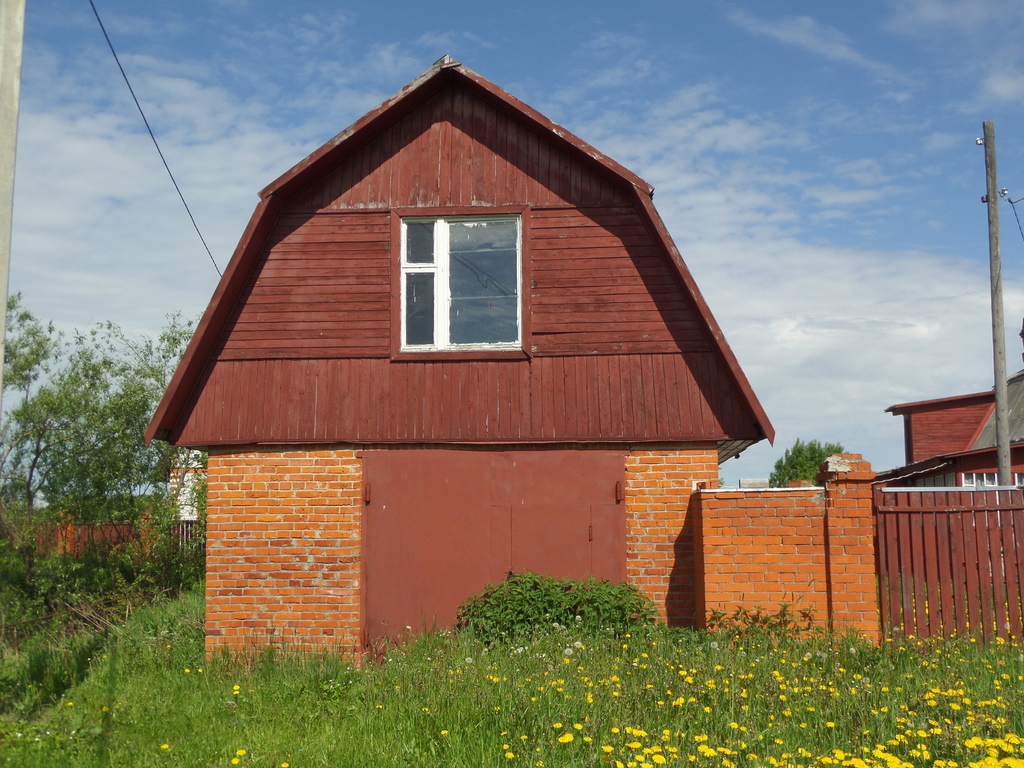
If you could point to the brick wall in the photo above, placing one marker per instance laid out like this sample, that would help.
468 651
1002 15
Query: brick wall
660 523
808 547
283 548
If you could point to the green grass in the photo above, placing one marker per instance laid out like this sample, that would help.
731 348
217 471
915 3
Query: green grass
657 696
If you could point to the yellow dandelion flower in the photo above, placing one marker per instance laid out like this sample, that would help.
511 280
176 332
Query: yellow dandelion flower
566 737
235 761
240 752
165 746
509 755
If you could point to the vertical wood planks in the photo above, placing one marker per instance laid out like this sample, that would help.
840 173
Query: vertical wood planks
951 562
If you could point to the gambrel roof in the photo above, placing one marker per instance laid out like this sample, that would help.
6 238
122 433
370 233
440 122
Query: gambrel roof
485 149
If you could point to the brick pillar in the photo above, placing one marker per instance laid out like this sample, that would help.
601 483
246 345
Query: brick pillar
850 543
283 547
660 481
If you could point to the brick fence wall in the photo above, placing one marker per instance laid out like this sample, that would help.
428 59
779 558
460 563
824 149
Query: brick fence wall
808 547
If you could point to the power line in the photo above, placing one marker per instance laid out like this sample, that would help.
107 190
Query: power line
152 136
1005 194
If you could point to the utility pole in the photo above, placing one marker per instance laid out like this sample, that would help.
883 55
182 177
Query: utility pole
998 330
12 32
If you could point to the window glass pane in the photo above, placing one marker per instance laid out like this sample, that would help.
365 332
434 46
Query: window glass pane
419 242
419 308
484 282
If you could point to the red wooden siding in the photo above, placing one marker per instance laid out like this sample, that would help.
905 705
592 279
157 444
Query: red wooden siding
605 397
298 343
938 430
601 284
322 289
456 150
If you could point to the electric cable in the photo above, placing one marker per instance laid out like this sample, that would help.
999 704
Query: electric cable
153 137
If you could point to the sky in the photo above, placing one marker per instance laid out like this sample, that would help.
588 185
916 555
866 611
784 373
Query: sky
815 163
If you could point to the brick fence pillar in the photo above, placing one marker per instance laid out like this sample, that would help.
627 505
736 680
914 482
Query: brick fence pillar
850 544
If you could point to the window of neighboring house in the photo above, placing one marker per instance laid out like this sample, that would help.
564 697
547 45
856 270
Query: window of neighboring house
984 479
461 280
938 481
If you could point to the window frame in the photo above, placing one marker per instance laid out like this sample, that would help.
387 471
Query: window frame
504 350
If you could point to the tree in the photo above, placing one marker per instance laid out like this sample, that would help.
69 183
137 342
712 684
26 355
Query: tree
72 434
801 462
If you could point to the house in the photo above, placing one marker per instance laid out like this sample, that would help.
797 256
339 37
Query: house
454 342
951 441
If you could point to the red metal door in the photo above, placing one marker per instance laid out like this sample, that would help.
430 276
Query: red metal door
441 524
565 521
430 537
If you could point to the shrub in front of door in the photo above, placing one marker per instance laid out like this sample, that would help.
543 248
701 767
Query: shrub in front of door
529 603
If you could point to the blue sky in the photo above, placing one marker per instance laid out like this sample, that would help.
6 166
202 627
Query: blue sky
815 163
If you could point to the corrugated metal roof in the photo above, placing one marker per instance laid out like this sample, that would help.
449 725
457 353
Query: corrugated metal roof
1015 404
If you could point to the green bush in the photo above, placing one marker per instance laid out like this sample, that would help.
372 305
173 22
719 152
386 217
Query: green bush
528 603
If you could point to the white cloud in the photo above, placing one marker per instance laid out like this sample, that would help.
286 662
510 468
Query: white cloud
962 15
939 141
1004 83
813 37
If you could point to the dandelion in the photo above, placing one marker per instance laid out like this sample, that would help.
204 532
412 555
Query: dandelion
235 761
165 746
240 752
566 737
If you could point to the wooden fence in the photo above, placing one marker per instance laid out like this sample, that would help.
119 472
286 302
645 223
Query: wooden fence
950 562
76 538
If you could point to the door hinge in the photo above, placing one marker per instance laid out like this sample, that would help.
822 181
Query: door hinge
590 533
618 491
366 493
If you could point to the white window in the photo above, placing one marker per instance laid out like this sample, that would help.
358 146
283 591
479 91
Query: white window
460 283
985 480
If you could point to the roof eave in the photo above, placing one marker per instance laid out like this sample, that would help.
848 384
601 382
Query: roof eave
720 345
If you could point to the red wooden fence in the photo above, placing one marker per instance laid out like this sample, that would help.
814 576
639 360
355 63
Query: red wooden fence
75 538
950 562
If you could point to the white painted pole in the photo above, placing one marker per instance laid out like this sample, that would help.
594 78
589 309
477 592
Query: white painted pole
12 32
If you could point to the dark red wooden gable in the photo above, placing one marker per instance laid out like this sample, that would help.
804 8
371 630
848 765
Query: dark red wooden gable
298 343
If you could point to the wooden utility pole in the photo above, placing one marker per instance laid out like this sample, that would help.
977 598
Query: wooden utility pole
998 329
12 31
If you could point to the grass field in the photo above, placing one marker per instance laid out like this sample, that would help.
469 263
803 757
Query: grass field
652 698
